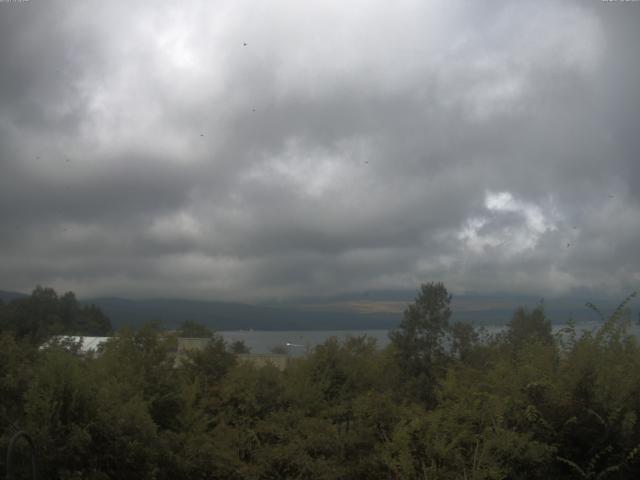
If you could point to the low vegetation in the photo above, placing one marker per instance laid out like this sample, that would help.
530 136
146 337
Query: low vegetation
440 402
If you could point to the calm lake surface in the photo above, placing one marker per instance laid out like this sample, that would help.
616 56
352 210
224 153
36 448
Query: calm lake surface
301 341
261 341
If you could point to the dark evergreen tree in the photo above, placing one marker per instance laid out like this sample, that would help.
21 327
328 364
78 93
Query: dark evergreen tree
527 326
418 341
238 347
191 329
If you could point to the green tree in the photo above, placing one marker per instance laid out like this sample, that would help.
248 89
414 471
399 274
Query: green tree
87 424
44 313
527 326
238 347
210 364
144 363
191 329
36 317
91 321
464 339
17 358
418 341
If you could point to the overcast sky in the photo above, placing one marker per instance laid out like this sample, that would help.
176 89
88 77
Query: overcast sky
261 150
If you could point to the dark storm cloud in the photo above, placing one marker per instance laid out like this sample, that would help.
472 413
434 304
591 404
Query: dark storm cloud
344 147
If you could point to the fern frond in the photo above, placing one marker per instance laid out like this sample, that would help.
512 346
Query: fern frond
597 416
595 309
573 465
596 458
633 453
620 308
608 470
571 421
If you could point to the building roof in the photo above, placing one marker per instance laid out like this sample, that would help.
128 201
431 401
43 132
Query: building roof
87 344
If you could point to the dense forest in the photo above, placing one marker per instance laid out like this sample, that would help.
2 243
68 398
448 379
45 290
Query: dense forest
442 401
44 313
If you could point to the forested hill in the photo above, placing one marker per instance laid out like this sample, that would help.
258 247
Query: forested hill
371 310
238 316
359 311
45 313
8 296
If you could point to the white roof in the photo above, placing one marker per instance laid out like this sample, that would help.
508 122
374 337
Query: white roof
88 344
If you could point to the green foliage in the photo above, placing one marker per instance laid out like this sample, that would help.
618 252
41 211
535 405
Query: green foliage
239 347
210 364
523 405
84 427
191 329
418 341
44 313
464 341
527 326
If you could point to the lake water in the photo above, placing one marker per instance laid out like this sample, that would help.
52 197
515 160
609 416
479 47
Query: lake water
301 341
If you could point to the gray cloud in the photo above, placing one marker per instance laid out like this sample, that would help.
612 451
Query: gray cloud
147 151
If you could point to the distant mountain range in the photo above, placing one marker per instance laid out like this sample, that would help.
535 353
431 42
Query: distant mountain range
478 309
8 296
362 311
236 316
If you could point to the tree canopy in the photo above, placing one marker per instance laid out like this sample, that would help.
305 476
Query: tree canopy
418 341
45 313
191 329
519 404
